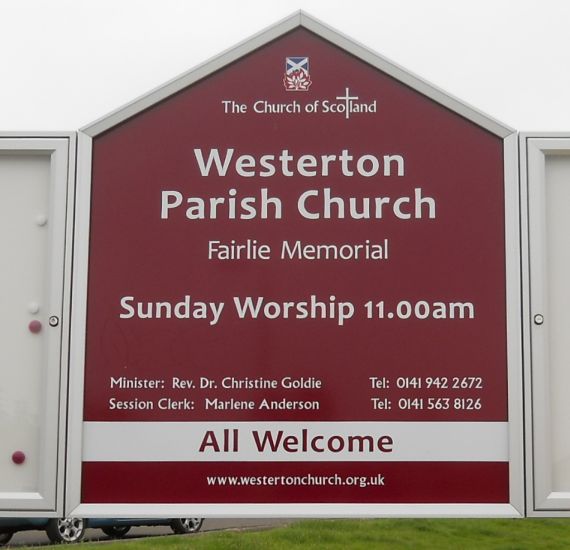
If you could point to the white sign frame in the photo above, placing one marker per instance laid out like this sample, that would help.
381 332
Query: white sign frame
61 149
542 499
515 508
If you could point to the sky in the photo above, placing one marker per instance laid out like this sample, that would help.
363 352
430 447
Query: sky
66 63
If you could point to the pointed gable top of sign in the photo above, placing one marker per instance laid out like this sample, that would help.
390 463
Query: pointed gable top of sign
298 19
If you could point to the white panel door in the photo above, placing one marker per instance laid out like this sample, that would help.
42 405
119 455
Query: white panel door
548 180
33 204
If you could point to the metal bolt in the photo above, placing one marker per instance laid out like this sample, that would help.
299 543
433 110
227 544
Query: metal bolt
53 321
538 319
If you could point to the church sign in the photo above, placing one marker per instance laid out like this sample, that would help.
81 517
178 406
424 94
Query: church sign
297 293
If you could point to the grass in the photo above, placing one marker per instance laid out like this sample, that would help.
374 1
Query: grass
393 534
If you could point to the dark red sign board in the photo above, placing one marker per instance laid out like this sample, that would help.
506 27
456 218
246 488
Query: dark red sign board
296 290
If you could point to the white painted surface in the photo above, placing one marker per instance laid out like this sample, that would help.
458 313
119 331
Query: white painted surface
297 510
24 195
557 191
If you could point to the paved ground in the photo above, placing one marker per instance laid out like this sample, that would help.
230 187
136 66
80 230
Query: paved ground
40 538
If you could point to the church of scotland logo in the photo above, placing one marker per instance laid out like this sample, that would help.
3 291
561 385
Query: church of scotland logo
297 77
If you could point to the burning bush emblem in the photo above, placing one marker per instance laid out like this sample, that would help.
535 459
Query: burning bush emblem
297 77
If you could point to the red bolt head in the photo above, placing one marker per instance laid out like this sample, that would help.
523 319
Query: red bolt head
18 457
35 326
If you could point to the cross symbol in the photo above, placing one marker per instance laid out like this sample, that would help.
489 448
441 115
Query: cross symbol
347 101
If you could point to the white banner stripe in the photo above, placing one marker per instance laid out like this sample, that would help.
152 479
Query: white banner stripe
295 441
